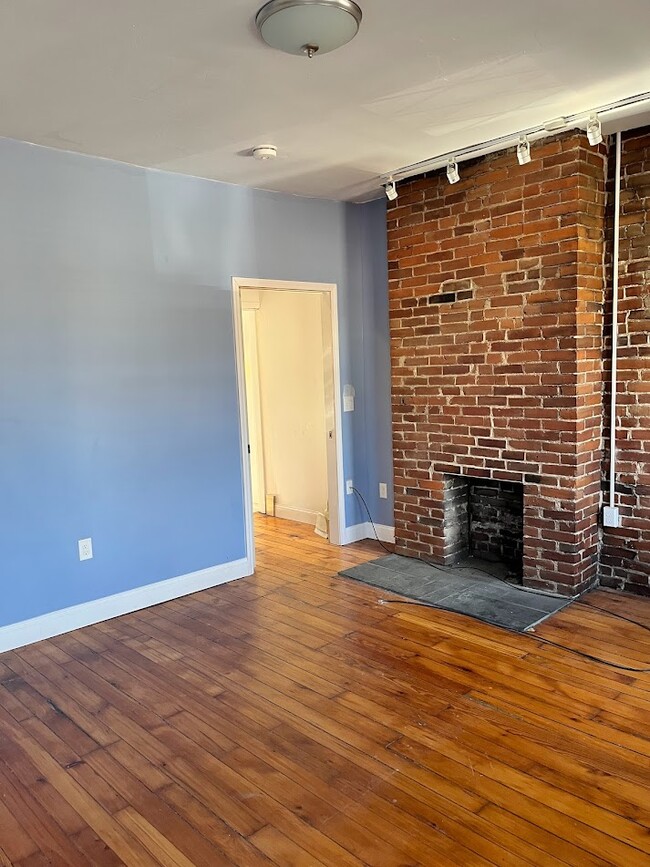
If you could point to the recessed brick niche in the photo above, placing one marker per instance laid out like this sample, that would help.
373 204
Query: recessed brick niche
496 294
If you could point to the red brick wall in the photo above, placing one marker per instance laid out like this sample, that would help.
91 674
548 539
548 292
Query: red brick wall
496 289
625 554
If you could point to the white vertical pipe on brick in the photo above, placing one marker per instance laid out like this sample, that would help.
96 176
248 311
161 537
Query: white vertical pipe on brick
615 266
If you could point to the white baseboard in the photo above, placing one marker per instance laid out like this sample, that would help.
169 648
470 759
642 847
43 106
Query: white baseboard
77 616
304 516
365 531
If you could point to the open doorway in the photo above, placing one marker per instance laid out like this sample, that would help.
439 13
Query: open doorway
288 378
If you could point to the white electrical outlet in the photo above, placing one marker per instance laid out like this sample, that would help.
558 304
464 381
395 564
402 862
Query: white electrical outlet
349 485
85 549
383 490
611 516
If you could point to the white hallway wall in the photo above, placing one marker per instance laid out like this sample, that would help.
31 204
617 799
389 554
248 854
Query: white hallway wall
292 398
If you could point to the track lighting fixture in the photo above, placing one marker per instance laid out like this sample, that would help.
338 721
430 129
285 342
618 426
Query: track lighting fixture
590 121
523 151
391 191
594 130
453 175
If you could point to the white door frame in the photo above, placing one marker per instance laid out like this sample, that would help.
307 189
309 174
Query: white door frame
336 485
254 404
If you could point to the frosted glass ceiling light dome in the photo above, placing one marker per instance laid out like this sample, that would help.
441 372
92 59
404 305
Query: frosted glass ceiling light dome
308 26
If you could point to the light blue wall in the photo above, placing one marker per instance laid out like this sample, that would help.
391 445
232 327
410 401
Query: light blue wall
370 431
118 402
376 359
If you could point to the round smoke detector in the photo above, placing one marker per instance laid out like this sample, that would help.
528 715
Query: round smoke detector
308 27
265 152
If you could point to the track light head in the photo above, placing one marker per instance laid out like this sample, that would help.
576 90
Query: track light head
523 151
453 175
391 191
594 130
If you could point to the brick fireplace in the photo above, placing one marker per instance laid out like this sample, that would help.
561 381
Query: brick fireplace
496 299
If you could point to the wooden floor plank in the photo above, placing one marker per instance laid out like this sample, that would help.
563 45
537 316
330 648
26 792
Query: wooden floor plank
282 850
292 719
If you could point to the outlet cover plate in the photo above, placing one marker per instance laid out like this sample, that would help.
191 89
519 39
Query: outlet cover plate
85 549
611 516
348 487
383 490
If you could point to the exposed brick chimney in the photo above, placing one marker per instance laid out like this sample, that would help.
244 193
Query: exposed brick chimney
625 553
496 299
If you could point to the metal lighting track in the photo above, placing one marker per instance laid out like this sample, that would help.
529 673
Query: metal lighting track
613 116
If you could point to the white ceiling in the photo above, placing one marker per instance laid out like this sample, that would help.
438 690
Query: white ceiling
187 85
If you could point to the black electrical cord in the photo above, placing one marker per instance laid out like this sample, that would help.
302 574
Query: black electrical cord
614 614
449 569
508 629
532 590
503 580
516 632
360 496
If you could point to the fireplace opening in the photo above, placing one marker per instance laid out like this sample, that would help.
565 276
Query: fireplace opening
484 518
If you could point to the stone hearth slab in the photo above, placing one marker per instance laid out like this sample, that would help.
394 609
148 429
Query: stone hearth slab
465 589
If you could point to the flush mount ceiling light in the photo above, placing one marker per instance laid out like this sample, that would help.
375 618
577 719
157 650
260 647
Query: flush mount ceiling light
308 27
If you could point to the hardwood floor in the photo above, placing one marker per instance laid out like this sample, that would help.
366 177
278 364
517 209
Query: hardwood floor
290 719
